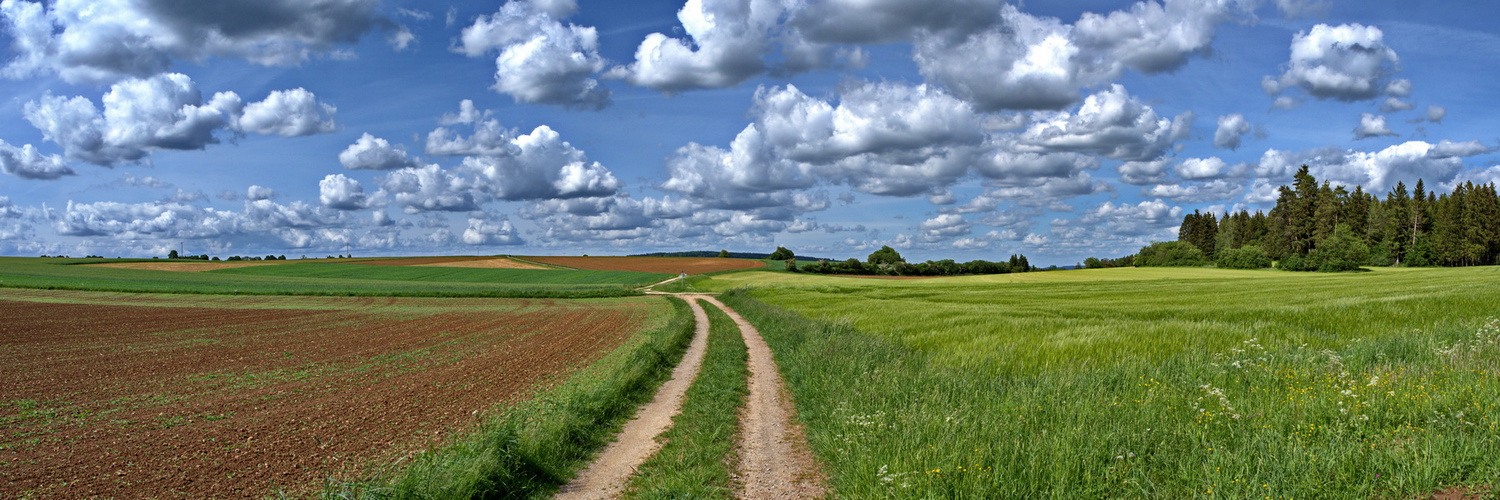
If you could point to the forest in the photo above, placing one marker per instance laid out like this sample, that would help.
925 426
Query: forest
1315 223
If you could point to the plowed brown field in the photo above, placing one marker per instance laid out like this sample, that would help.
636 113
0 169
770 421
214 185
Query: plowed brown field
139 400
690 265
490 262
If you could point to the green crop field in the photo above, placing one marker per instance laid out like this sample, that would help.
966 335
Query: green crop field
449 274
321 278
1154 383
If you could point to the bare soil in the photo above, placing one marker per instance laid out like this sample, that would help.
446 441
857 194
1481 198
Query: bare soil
495 263
674 265
462 261
1458 493
134 401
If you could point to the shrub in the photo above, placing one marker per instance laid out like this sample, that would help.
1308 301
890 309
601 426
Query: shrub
1170 254
1246 257
782 253
1296 262
1343 251
885 256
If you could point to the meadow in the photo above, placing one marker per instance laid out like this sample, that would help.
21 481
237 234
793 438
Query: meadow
321 277
1142 383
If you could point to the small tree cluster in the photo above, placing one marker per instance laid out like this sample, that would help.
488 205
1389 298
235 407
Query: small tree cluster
1170 254
268 257
1246 257
888 262
1098 263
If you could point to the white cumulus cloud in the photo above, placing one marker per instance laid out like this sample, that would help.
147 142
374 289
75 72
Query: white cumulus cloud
1348 62
373 153
540 59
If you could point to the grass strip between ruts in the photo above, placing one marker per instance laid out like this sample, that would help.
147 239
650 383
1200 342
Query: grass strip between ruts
532 448
696 461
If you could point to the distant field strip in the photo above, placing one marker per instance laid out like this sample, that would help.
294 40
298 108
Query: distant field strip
175 397
188 266
673 265
493 262
451 275
318 278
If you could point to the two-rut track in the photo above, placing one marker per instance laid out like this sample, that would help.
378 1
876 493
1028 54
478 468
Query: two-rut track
774 460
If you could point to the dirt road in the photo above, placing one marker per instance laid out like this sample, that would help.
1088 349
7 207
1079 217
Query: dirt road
774 459
607 476
773 456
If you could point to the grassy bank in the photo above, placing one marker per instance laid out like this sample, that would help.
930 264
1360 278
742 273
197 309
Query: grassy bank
1241 408
695 462
529 450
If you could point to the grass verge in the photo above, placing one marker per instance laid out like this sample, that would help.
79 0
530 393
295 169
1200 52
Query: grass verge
695 462
1394 416
531 449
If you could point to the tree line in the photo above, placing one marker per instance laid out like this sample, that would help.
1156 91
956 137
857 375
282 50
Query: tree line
888 262
1317 226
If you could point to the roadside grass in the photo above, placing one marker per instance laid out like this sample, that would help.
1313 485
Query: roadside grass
695 461
309 280
1389 416
532 448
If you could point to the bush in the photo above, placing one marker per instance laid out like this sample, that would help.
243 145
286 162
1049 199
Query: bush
1246 257
1170 254
1296 263
885 256
1341 252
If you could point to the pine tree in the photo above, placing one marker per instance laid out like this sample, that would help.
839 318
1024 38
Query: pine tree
1327 212
1419 208
1398 234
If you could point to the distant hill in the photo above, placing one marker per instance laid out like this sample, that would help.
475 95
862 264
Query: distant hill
715 253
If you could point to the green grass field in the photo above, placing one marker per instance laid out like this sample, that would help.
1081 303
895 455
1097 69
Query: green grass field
322 278
1142 383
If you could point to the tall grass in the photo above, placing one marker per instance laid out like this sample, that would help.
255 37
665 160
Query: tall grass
695 460
1242 410
1064 324
531 449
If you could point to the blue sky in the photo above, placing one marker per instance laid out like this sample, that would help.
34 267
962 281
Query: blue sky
969 129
